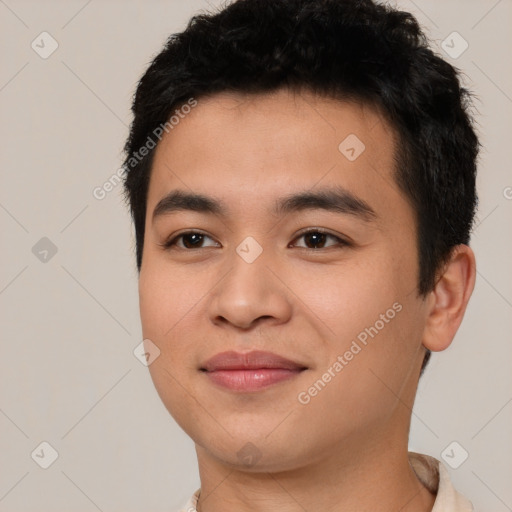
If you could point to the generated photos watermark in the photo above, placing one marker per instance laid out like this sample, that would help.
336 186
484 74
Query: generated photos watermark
100 192
357 345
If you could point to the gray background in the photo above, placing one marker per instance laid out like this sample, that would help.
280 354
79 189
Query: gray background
70 323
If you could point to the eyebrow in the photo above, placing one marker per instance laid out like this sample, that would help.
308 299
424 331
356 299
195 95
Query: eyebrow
335 199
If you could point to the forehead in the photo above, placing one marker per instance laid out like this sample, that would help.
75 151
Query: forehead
250 149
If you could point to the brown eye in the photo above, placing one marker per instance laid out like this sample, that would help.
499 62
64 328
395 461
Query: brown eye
315 238
190 240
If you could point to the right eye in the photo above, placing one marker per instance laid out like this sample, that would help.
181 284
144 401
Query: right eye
191 240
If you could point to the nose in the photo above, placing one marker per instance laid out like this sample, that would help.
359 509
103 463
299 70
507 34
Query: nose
249 294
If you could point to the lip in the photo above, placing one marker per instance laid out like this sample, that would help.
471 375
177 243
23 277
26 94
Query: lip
250 371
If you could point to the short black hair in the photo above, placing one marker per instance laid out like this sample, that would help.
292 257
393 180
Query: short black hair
343 49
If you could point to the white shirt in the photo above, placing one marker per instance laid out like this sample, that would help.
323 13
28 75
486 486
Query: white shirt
431 472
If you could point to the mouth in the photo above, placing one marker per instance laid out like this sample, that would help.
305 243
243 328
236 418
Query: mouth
250 371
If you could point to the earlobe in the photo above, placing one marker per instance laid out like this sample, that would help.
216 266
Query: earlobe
449 298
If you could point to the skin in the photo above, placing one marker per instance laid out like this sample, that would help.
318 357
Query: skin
347 448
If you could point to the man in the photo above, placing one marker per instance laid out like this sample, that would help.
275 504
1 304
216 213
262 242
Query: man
301 175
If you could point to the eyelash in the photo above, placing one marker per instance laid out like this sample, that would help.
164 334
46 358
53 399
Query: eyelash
341 242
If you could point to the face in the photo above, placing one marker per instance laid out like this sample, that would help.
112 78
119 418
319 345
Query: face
302 246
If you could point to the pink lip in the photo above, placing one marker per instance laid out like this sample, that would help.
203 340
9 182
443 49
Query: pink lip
250 371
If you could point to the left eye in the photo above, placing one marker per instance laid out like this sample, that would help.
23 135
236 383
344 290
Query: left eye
317 237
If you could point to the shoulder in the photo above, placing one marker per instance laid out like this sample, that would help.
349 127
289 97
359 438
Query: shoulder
434 475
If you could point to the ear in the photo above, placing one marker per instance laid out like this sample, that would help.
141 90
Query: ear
448 300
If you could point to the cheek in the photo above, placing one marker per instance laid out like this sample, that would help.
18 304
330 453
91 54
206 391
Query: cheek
368 312
346 298
165 299
173 317
166 309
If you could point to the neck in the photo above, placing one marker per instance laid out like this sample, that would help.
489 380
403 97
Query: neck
356 475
